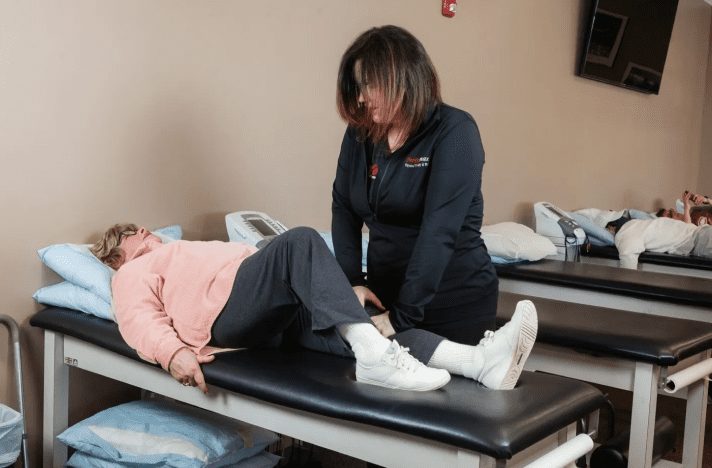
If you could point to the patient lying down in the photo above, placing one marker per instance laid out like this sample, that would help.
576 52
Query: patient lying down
179 303
664 235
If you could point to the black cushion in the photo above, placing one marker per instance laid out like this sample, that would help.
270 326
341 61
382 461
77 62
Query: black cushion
463 413
656 258
640 337
685 290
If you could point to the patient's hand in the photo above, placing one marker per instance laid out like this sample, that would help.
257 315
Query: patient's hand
184 367
698 199
686 198
383 324
366 295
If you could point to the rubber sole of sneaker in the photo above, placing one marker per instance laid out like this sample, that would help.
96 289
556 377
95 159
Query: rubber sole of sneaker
433 386
525 343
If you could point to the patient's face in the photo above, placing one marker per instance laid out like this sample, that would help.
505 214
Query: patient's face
673 215
138 244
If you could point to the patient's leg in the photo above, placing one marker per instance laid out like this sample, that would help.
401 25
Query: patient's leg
496 362
294 287
294 276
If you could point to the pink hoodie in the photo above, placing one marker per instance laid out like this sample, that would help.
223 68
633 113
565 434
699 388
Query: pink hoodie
168 296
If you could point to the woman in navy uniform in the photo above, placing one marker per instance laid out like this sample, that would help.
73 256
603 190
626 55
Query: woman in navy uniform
410 168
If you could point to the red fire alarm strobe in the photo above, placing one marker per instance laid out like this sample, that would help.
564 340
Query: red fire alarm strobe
449 8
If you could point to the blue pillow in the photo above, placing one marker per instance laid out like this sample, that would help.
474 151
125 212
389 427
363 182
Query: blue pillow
171 232
71 296
593 230
165 433
639 214
505 260
76 264
261 460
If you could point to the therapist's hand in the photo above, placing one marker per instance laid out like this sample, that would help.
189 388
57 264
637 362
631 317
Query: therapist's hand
383 324
185 368
366 295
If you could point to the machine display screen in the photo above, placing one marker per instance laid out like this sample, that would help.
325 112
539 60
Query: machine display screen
556 210
262 227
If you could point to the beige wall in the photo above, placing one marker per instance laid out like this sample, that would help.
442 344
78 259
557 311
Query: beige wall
165 112
705 173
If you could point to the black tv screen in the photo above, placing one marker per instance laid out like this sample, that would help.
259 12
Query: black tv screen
626 42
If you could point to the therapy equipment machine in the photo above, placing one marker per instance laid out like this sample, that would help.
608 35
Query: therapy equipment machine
252 227
560 228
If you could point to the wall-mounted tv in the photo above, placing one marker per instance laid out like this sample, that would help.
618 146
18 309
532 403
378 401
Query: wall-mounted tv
626 42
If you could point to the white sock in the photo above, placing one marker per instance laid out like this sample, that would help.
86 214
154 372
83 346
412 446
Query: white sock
458 359
372 342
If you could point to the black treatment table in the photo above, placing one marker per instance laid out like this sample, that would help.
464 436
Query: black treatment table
626 350
607 286
651 261
314 397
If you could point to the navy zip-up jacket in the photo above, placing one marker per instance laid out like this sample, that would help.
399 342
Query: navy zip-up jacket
424 211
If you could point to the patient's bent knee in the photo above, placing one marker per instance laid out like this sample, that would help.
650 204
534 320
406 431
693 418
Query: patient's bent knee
301 234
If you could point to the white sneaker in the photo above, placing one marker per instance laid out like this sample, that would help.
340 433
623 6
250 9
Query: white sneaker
506 351
398 369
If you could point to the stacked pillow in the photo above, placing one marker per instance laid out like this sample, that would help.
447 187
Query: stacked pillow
512 242
87 285
148 434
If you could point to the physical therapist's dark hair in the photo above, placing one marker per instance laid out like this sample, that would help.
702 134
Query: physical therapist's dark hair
391 60
107 249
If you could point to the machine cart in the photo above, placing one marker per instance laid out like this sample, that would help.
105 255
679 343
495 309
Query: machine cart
13 438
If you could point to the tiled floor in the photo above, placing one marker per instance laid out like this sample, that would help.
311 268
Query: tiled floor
673 408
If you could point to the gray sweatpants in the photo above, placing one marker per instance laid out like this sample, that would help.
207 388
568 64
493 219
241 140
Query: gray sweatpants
293 292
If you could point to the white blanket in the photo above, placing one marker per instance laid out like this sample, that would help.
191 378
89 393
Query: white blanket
601 217
657 235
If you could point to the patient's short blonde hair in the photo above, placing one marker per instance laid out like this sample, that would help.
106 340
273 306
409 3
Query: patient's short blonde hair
107 249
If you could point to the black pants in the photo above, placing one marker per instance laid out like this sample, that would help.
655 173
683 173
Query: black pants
463 323
293 292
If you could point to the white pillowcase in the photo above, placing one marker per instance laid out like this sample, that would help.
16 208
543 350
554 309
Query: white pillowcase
516 241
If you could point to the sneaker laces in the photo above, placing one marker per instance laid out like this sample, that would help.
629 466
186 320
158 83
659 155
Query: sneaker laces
403 360
488 339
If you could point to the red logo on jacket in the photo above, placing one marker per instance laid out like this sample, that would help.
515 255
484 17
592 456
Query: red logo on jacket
373 171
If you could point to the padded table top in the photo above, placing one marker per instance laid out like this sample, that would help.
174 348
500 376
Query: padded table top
664 259
639 337
655 286
463 413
